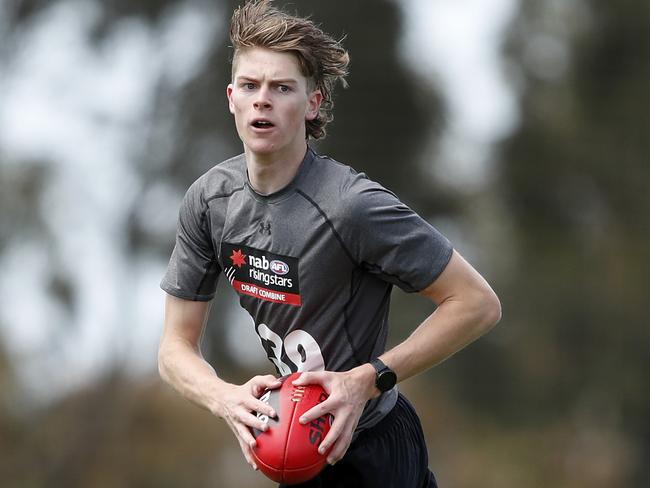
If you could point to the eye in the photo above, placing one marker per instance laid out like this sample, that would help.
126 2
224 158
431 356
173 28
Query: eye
284 88
248 86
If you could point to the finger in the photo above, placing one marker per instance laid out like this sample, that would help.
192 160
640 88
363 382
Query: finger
261 383
332 437
255 405
272 382
243 431
310 378
252 421
246 438
338 449
316 411
246 451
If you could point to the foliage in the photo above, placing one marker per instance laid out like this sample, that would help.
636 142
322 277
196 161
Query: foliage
555 395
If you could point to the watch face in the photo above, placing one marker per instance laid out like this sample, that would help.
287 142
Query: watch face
386 380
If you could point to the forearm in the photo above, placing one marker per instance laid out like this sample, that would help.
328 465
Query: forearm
182 366
453 325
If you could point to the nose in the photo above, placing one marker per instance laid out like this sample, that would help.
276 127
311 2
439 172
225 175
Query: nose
263 99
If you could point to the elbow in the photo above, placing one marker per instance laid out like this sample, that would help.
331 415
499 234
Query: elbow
163 363
489 310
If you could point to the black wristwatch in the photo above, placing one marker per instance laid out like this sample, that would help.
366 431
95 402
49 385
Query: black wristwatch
386 377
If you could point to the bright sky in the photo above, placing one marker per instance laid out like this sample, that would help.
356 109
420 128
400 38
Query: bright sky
81 109
456 44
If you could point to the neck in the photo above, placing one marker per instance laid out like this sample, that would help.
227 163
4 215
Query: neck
270 173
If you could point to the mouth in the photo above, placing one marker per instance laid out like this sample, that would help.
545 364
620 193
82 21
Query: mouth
262 124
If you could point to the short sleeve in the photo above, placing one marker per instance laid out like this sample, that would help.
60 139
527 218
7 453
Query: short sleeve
392 241
193 269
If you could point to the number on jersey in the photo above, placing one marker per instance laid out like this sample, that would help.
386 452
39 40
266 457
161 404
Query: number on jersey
299 347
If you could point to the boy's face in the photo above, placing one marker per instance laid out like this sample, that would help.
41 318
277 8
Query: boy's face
270 101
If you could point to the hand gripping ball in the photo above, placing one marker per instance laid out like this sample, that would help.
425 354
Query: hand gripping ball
287 452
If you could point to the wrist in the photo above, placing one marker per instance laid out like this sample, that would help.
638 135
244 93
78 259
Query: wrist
385 377
216 393
367 376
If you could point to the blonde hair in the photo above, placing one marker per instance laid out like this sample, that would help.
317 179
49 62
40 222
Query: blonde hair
322 59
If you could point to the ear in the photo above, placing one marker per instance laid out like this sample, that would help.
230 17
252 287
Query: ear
231 106
314 100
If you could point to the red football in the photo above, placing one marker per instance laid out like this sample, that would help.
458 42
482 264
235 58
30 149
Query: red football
288 451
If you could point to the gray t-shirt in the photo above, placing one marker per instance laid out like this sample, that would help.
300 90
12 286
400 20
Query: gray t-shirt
313 263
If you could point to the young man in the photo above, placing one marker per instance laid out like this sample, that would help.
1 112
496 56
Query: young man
313 249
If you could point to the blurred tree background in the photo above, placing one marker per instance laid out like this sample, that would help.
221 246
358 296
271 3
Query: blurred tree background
555 395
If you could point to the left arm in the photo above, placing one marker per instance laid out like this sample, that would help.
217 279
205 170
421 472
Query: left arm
467 308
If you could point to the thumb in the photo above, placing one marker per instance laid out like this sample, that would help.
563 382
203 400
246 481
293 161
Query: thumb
261 383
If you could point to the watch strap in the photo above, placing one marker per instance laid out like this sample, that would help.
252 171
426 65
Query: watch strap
379 365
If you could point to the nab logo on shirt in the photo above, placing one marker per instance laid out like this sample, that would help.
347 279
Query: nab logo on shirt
262 274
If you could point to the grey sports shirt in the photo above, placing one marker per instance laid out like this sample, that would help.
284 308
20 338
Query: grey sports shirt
313 264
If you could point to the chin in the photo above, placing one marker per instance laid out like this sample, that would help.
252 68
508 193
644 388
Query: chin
262 149
262 146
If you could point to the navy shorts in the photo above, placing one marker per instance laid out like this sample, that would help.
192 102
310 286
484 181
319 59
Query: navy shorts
392 454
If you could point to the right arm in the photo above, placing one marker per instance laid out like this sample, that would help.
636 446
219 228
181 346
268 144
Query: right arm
182 365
